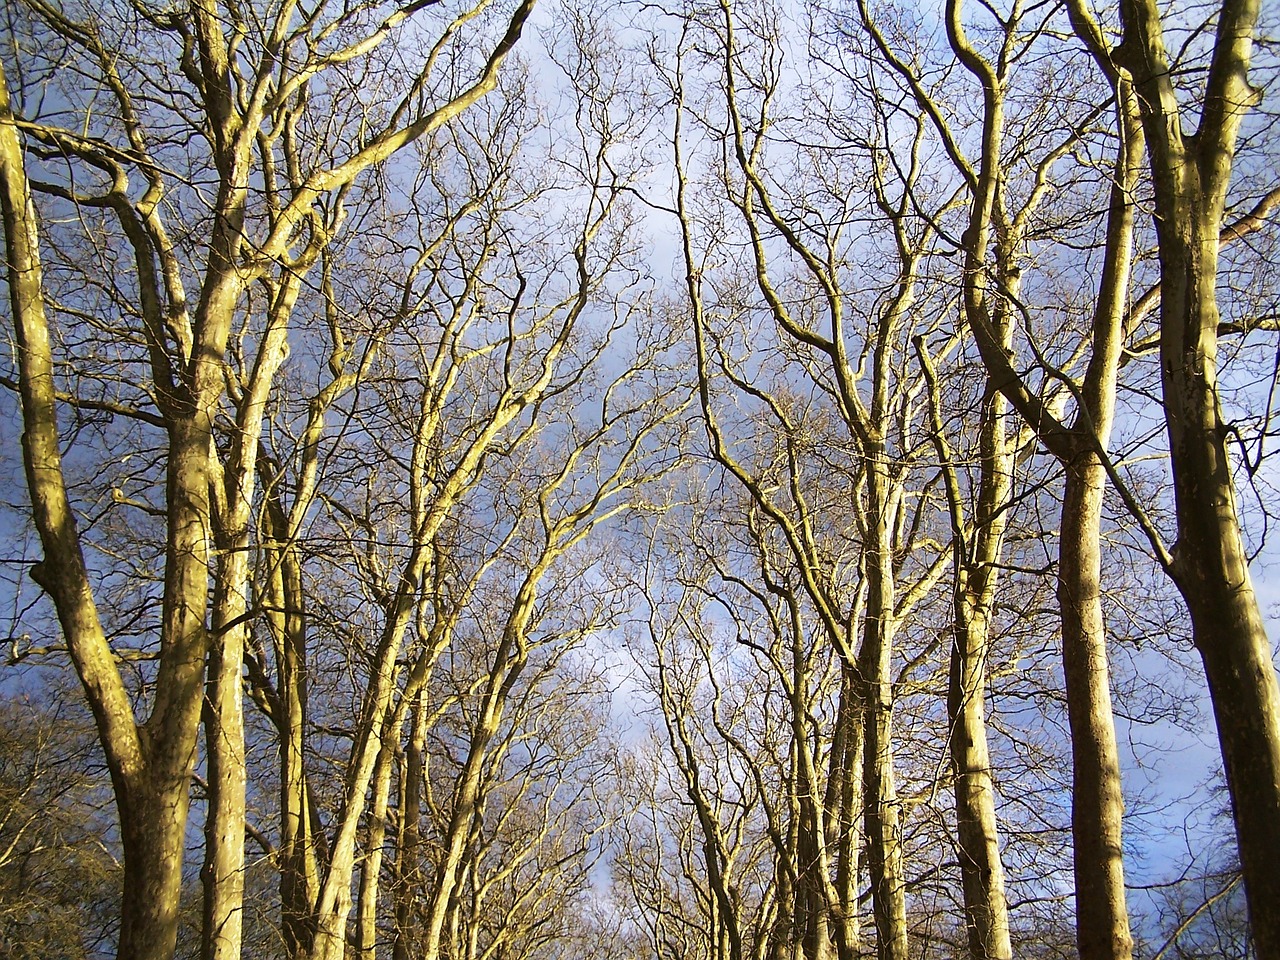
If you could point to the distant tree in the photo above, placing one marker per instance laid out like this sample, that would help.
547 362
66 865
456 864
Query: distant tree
59 876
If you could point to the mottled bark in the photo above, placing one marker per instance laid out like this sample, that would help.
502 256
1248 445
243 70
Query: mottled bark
1101 917
300 837
842 805
1210 565
223 872
153 837
466 794
977 829
977 549
232 509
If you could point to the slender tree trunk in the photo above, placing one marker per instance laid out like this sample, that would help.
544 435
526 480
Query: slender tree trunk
883 814
233 504
1097 804
783 935
849 935
371 866
408 867
978 553
446 879
506 670
815 908
223 872
380 714
812 904
842 807
981 868
299 840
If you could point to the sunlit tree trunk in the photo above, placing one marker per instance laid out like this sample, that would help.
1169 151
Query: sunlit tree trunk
150 766
1102 921
232 509
1097 804
408 841
842 805
883 812
223 872
1209 562
281 593
375 842
978 548
812 899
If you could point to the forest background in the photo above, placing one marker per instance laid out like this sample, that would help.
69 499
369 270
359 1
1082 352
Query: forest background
728 480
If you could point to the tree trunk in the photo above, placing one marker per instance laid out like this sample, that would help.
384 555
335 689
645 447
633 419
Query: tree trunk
408 844
223 871
1097 804
150 767
371 867
507 666
153 822
1211 570
977 555
299 867
1191 176
981 869
883 814
782 938
1235 650
842 804
812 903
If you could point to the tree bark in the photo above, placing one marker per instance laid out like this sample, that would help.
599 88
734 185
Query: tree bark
1209 564
813 908
977 549
1101 917
1211 569
371 867
883 813
300 837
1097 804
223 872
844 802
409 838
153 837
150 767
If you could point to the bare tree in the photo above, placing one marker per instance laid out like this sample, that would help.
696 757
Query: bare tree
1191 174
238 85
1190 188
58 878
847 347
